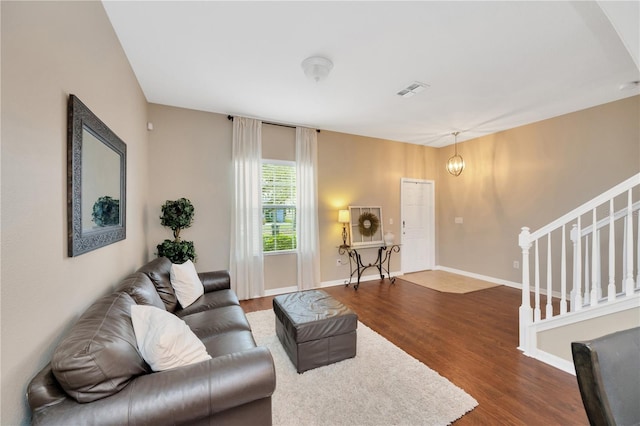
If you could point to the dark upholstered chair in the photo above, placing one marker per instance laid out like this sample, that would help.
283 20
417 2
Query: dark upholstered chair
608 372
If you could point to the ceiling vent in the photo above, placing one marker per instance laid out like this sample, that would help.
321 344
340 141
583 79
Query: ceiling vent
412 89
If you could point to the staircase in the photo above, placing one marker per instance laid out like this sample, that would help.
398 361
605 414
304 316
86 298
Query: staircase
588 260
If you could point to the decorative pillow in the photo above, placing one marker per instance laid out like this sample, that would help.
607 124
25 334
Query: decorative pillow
164 340
186 283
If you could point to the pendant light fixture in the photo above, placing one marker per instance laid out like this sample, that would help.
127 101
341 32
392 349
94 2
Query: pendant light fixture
455 165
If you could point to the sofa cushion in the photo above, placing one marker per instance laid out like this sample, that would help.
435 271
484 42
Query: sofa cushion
228 343
158 270
208 301
186 283
164 340
99 355
217 321
141 289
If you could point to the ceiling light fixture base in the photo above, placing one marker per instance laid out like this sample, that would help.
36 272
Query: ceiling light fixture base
317 68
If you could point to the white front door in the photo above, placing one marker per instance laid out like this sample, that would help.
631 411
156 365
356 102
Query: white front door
418 225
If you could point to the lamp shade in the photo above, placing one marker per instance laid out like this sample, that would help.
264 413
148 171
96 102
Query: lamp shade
343 216
455 165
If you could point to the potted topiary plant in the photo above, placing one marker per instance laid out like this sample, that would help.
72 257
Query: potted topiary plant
177 215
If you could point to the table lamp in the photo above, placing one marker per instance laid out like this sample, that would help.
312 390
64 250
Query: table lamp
343 218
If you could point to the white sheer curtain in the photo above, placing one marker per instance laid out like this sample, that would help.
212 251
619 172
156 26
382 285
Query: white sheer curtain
246 264
307 209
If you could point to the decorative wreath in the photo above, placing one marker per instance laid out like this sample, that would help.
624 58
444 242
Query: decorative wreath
368 224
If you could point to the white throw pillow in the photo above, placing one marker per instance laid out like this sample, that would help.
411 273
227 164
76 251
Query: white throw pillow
186 283
164 340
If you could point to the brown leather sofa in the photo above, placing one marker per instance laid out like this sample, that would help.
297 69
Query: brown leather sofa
608 374
97 375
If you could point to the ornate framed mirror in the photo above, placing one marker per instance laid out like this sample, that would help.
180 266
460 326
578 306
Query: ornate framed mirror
96 181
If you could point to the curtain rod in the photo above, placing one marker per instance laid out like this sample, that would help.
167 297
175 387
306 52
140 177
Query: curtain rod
230 117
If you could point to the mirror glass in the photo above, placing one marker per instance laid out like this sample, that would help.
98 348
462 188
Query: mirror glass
96 188
100 183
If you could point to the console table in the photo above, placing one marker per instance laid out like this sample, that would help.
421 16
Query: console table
357 267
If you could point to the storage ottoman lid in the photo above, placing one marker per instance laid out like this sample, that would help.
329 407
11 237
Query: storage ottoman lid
313 314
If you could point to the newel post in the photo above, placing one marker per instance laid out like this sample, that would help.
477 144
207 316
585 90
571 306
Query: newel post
526 314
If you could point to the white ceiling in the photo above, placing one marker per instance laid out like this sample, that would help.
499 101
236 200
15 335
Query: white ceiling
490 66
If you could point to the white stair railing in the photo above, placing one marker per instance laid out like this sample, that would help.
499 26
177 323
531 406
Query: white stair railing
599 235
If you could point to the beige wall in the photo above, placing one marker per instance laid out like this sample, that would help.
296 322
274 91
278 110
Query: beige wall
278 142
514 178
356 170
190 156
529 176
557 341
196 146
49 50
352 170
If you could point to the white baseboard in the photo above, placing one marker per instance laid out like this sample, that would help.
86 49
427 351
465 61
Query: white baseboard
364 278
556 361
291 289
494 280
479 277
373 277
281 290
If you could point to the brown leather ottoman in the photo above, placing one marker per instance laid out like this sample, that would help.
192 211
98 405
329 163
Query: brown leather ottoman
314 328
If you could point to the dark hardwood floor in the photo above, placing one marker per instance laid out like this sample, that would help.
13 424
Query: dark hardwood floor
471 339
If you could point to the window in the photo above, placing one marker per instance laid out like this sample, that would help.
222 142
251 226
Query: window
278 206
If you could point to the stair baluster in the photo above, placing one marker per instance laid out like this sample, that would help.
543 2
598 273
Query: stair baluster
611 289
587 275
549 307
576 304
596 291
629 284
537 313
563 273
638 253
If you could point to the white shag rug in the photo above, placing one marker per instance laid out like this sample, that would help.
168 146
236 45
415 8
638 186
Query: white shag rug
382 385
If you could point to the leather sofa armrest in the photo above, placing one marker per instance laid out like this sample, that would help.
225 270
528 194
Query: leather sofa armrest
44 390
216 280
181 395
203 389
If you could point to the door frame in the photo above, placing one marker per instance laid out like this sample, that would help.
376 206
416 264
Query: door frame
431 261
